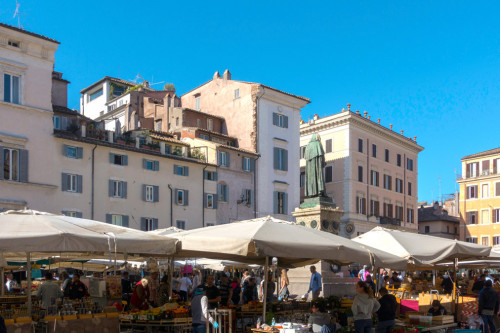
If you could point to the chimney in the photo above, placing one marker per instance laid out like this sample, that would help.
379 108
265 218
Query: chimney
348 106
369 117
357 112
216 75
401 132
315 117
162 147
365 113
83 128
145 84
110 136
390 126
378 121
137 142
415 138
227 75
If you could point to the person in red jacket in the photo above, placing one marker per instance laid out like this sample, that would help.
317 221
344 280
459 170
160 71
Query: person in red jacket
140 295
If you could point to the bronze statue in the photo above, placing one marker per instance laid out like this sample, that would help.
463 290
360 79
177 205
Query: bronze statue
314 185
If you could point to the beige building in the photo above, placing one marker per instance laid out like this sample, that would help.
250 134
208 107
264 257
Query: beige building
479 201
371 171
435 220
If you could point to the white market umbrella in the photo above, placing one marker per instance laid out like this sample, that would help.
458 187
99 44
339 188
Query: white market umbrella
421 250
166 231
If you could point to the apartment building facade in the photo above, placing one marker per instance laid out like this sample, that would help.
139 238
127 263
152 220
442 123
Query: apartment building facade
265 121
479 198
371 171
435 220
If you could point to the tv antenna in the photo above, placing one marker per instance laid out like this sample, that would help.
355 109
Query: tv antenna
18 14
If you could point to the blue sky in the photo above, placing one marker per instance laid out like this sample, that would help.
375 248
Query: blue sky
431 68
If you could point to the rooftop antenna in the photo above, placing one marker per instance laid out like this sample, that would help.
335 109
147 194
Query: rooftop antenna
18 14
440 196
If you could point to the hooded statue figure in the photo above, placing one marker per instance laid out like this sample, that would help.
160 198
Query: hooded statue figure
315 162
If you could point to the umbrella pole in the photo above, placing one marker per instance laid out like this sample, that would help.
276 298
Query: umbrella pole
434 278
454 298
264 301
171 276
28 271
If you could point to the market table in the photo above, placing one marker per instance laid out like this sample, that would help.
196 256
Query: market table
436 327
168 325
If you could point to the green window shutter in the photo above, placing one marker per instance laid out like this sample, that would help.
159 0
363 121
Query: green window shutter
111 158
79 152
144 163
251 197
156 166
285 121
125 221
23 165
110 187
143 224
186 171
219 191
215 175
219 158
215 201
79 215
285 160
176 193
275 158
79 183
156 193
65 150
1 161
124 190
252 164
275 202
64 182
275 118
125 160
175 169
226 193
285 203
155 224
186 198
205 174
64 212
109 218
143 192
243 163
228 159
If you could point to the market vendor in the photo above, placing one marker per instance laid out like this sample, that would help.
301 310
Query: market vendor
213 293
76 289
11 282
318 318
225 290
249 291
437 309
49 291
139 299
387 311
395 281
199 310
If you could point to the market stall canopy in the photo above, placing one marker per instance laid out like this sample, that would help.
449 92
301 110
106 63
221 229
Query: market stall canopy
294 245
220 265
45 233
166 231
421 250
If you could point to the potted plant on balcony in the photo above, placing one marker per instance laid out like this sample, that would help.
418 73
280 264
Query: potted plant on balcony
121 141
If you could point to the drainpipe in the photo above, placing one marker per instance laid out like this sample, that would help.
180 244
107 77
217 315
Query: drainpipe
404 193
93 174
257 98
203 196
367 177
255 188
171 206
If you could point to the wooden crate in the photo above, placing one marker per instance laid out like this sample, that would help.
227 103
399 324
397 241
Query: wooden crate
440 320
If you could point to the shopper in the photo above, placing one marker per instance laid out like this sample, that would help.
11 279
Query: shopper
488 306
196 278
318 318
140 296
154 284
361 273
437 309
236 291
199 311
479 284
163 291
370 283
395 280
363 307
184 288
447 284
315 284
11 283
387 312
49 291
66 280
225 290
249 291
126 288
76 289
284 282
213 293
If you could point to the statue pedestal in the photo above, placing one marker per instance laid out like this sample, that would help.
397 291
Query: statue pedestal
321 213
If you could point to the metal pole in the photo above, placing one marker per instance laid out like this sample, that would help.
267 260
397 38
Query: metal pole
264 301
454 298
3 280
171 276
434 278
28 272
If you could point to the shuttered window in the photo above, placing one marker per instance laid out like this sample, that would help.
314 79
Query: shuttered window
280 200
71 183
117 219
210 175
149 223
118 159
361 205
224 158
117 189
374 178
248 164
14 163
222 192
181 170
150 165
329 174
181 197
280 120
328 146
72 152
360 173
280 159
210 201
150 193
472 192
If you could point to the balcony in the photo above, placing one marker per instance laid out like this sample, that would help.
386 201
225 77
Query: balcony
390 221
483 173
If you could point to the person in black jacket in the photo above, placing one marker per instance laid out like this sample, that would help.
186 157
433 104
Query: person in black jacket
437 309
447 284
488 306
479 284
387 311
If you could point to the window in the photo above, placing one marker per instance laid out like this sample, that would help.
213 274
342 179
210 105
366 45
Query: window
374 175
409 214
447 229
398 160
496 240
224 159
181 224
360 173
472 169
247 196
95 95
117 219
198 123
208 224
280 159
409 164
10 164
399 213
328 146
72 213
236 93
149 223
496 215
485 216
329 174
181 170
485 240
374 208
388 210
302 178
302 151
280 203
210 175
210 124
387 155
204 137
181 197
150 193
11 88
427 229
210 201
13 43
247 164
150 164
485 191
360 145
197 101
387 182
280 120
409 188
56 120
374 150
158 125
111 107
471 240
71 183
399 185
117 159
72 152
222 192
471 217
361 205
496 166
177 121
472 192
